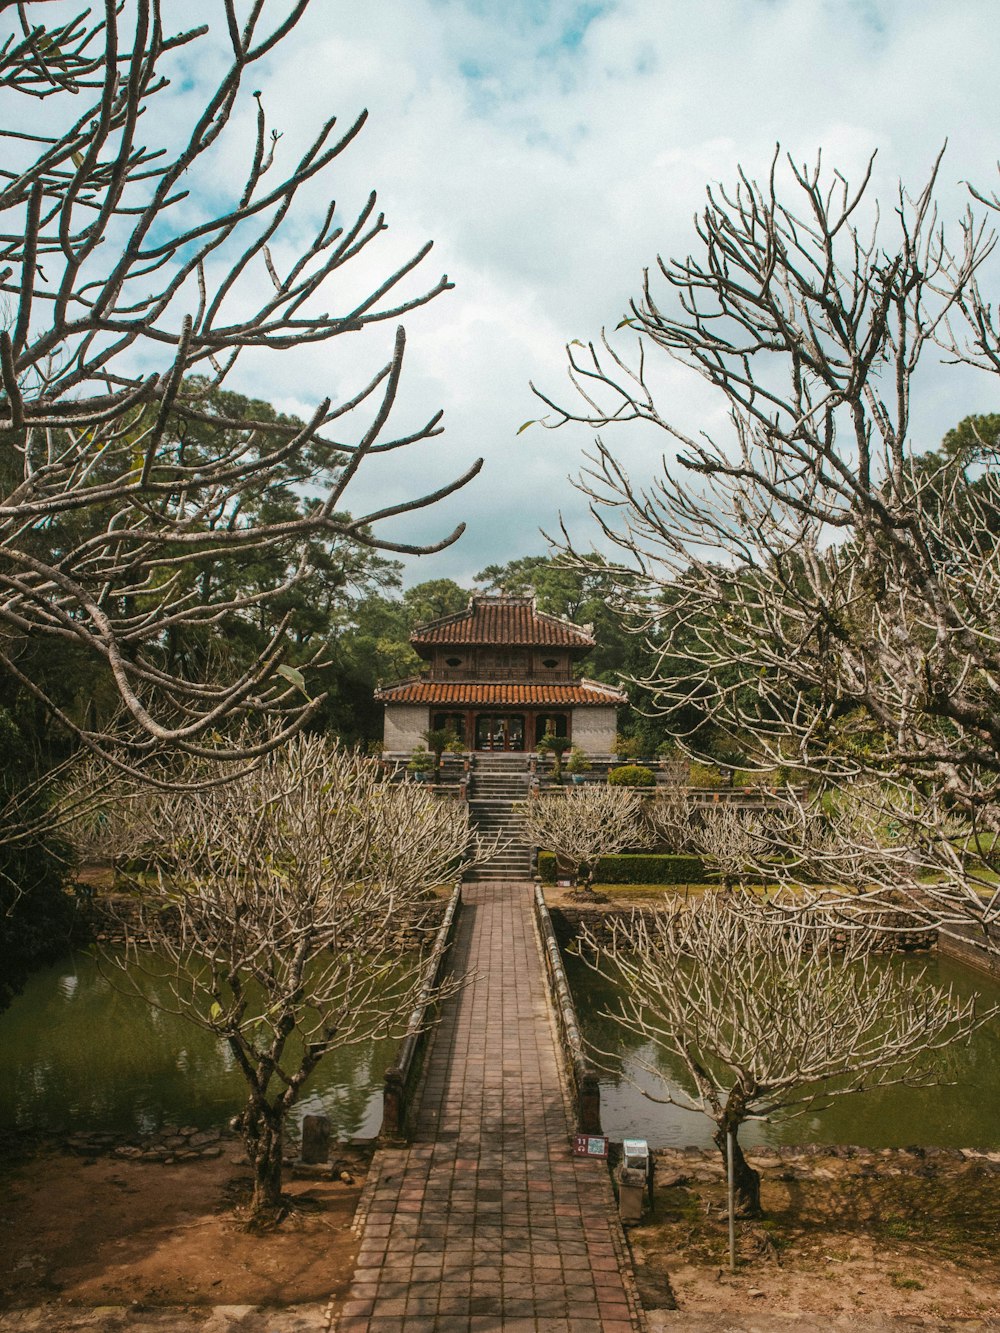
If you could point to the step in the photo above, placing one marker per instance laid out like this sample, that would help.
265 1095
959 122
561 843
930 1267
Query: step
484 876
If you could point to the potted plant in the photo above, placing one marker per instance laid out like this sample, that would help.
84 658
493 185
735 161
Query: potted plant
577 764
422 764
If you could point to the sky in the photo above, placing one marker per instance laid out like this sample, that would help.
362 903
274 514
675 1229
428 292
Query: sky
551 149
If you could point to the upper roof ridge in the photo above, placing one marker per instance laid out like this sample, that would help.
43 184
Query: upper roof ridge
502 618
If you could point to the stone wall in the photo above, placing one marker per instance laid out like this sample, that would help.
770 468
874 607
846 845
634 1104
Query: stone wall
975 948
595 729
109 918
677 1166
404 727
569 921
403 1078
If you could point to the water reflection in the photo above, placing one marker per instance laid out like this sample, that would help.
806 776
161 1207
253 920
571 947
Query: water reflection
964 1115
77 1054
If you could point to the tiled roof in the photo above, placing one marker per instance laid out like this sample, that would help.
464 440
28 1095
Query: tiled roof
502 620
473 693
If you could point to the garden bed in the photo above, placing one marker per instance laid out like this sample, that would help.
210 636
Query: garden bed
847 1234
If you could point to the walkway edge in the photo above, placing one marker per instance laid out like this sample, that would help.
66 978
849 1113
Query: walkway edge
584 1077
549 948
402 1079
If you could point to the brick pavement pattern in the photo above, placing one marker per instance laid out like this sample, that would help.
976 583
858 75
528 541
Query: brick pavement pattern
488 1221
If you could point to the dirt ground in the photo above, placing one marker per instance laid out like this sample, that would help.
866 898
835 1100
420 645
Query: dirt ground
862 1238
897 1236
105 1232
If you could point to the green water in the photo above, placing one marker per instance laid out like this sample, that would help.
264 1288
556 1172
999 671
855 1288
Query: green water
963 1115
77 1054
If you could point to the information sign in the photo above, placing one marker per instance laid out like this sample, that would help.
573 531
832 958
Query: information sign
590 1145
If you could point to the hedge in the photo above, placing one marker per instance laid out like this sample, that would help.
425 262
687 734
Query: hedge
641 868
632 775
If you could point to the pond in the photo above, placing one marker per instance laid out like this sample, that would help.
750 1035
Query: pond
963 1115
77 1054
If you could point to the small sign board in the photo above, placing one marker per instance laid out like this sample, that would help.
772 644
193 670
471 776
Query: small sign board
635 1154
590 1145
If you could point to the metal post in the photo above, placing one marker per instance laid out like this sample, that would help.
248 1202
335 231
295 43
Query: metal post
730 1184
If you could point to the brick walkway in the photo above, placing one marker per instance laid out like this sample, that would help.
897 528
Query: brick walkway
488 1221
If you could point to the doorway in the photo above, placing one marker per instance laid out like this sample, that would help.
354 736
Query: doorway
500 731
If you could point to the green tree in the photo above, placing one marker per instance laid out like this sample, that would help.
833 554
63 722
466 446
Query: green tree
432 600
36 916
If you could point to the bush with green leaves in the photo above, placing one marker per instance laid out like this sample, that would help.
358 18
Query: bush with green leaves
632 775
634 868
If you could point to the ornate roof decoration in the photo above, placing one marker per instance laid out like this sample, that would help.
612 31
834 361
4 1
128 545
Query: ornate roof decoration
577 693
505 621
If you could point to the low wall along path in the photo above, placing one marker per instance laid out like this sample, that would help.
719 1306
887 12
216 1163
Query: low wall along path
487 1221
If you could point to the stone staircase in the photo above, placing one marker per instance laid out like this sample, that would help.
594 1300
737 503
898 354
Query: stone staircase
496 783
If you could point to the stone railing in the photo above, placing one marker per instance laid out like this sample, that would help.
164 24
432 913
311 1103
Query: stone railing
583 1077
402 1079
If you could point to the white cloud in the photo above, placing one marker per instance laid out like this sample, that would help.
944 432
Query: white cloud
552 149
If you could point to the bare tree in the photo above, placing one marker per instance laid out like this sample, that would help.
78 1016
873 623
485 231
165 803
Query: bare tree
671 819
584 824
804 577
120 280
767 1016
276 916
737 844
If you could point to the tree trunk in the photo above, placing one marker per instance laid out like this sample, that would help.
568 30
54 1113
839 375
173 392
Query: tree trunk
746 1181
263 1134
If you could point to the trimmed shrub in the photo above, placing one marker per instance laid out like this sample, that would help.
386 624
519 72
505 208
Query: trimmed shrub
704 775
636 868
631 775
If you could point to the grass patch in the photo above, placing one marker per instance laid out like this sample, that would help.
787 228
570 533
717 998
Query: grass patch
635 892
903 1283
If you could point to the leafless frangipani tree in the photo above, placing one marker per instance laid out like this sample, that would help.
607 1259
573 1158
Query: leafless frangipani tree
802 576
671 820
737 844
583 824
766 1016
276 912
134 271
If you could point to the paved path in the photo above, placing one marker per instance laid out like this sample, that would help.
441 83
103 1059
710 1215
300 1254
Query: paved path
488 1221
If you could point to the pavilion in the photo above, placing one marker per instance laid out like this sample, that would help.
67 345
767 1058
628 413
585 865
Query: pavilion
500 675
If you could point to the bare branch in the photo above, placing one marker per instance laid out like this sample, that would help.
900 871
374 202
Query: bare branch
808 583
767 1015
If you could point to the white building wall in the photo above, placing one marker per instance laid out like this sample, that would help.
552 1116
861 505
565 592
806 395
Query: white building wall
594 729
404 727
